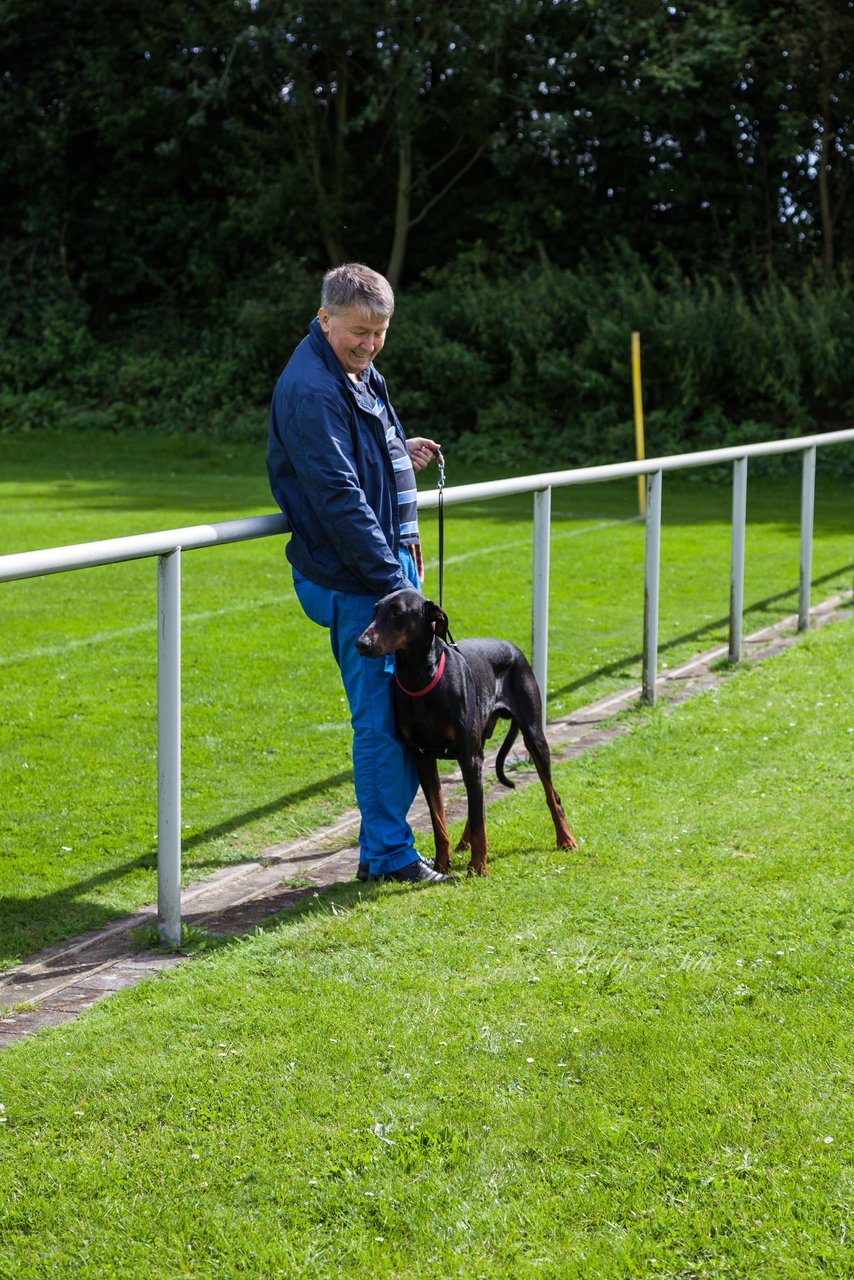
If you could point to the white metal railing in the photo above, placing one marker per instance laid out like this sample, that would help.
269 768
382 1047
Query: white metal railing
168 545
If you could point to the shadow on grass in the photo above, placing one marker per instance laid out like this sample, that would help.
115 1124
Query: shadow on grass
619 665
230 926
289 906
27 925
280 805
295 904
30 924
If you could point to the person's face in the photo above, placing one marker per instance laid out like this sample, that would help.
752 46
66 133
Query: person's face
356 337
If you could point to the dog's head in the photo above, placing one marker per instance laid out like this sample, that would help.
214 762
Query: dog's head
402 620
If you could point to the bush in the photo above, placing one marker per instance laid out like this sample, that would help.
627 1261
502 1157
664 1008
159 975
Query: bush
549 360
499 367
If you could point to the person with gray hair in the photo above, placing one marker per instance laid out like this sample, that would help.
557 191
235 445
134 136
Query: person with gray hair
343 473
355 285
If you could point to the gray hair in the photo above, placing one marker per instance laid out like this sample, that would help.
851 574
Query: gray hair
355 285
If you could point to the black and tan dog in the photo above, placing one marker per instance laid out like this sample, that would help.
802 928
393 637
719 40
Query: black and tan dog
448 699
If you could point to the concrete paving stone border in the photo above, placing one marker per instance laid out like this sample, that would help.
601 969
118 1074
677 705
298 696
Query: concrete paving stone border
62 981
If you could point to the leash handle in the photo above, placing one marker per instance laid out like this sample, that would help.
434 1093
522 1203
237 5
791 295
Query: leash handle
441 461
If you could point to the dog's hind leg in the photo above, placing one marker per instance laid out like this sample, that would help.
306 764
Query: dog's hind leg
431 785
538 750
472 770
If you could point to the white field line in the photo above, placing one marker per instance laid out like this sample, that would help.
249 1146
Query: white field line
560 534
107 637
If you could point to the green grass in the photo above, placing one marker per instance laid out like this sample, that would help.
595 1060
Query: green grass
633 1061
265 731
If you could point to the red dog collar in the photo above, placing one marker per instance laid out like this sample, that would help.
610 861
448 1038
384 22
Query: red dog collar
419 693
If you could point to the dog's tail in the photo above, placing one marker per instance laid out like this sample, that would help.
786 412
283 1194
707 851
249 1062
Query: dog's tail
512 735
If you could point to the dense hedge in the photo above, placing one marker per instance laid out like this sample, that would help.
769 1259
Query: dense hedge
501 368
543 360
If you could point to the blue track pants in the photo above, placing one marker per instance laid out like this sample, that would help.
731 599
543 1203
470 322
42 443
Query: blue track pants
384 773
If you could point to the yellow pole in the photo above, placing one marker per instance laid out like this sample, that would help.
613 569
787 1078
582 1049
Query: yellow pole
639 446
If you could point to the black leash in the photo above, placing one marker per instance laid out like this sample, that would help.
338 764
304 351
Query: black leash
441 462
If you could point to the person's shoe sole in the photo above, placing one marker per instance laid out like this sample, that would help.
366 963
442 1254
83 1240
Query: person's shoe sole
415 873
364 875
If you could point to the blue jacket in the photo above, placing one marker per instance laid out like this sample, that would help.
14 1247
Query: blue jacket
332 476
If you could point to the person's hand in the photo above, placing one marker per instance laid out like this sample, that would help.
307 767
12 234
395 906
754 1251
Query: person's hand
421 451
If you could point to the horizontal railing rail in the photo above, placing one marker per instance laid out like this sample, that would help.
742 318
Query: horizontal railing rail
621 470
167 545
137 546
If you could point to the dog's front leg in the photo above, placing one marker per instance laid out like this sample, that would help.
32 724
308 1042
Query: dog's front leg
428 776
472 770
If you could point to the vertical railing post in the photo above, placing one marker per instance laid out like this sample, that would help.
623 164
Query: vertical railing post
651 577
169 747
807 513
736 572
540 590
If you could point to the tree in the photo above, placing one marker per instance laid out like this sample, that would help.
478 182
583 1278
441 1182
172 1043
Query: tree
388 107
173 154
803 62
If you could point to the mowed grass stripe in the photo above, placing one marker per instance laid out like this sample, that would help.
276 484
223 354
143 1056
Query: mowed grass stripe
630 1061
241 606
77 754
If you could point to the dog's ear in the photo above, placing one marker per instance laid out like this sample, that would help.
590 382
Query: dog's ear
438 618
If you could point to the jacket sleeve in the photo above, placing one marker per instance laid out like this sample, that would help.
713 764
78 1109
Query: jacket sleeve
324 453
